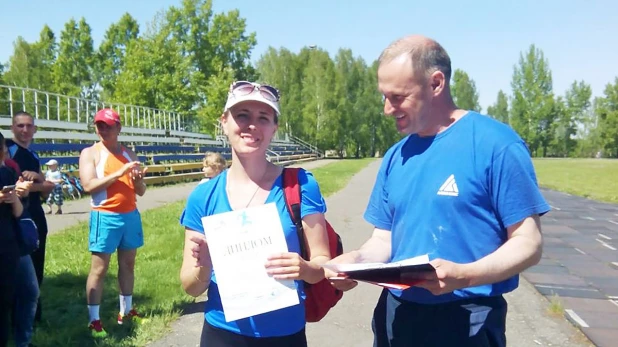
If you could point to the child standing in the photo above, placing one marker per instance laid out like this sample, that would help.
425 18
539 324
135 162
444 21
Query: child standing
55 176
214 164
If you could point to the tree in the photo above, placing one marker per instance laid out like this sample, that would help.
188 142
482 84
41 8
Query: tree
110 57
155 73
31 63
214 45
73 69
283 70
533 108
343 126
46 49
574 107
606 109
464 91
500 110
318 99
19 71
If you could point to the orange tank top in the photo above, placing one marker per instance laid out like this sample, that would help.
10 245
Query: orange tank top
119 197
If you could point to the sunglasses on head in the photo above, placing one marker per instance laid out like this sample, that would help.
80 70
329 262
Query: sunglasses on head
242 88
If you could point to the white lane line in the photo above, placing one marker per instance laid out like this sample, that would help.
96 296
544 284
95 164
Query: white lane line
557 208
615 302
612 221
577 318
580 251
606 245
588 218
605 236
613 297
592 208
566 288
615 264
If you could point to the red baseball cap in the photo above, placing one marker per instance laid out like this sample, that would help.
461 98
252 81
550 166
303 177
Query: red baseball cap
107 116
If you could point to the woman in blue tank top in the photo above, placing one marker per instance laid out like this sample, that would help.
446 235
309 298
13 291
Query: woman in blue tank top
250 120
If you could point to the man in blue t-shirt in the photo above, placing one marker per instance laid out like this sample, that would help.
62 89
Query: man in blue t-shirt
460 188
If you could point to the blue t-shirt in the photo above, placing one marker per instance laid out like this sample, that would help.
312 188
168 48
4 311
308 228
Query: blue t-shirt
210 198
453 196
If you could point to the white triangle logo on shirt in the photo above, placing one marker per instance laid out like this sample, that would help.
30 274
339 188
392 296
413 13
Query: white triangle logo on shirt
449 187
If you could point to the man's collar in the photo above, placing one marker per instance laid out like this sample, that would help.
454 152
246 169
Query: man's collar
20 144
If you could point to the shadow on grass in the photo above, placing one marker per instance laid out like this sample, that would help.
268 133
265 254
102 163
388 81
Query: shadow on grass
65 313
191 308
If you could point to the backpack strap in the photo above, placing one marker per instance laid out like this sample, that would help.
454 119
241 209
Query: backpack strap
292 195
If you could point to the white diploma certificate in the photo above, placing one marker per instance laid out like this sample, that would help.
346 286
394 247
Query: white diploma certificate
240 243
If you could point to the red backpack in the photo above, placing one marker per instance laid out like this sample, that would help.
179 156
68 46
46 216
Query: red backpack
321 296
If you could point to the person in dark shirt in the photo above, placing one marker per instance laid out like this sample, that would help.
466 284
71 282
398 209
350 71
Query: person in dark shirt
23 129
10 209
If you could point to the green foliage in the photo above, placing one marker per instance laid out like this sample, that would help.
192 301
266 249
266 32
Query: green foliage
500 110
111 56
184 60
606 109
533 109
73 69
464 91
333 103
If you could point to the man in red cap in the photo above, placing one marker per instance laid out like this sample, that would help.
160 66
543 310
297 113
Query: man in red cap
112 174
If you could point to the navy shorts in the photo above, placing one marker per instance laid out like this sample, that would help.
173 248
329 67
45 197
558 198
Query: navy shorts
477 322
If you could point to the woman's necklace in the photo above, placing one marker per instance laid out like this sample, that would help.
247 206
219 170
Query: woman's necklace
257 188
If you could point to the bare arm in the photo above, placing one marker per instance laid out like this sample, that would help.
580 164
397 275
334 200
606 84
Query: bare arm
196 264
523 249
138 174
12 198
17 207
88 175
314 226
375 250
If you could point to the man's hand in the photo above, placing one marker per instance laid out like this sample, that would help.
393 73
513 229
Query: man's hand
448 277
31 176
128 167
343 284
137 173
22 187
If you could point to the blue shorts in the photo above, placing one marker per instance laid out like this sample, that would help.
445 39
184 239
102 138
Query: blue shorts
110 231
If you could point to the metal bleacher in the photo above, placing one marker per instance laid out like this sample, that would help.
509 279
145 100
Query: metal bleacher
171 153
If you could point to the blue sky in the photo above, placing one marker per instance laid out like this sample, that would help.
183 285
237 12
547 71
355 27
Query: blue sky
484 38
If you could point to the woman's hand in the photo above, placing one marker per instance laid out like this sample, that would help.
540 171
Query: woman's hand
196 267
290 266
8 197
199 250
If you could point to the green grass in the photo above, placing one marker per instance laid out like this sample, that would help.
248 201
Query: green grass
157 288
158 293
335 176
556 307
589 178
